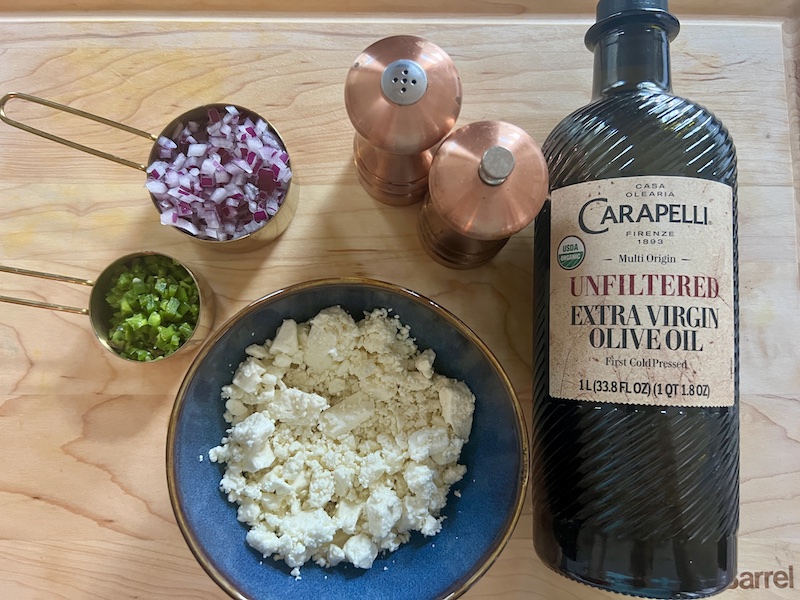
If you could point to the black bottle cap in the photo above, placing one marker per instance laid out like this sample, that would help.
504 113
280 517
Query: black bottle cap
611 13
609 8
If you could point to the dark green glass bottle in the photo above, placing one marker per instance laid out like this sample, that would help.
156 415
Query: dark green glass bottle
636 374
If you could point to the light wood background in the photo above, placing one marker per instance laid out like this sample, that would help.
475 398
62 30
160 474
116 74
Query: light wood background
84 511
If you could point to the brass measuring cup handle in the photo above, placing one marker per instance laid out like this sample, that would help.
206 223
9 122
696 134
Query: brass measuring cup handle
79 113
51 276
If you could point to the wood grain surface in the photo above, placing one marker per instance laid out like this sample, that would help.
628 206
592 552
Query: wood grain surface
84 511
390 8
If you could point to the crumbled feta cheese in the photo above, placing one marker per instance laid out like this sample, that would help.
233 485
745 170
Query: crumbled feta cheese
458 404
347 515
257 351
285 341
248 375
351 412
291 405
427 441
420 480
383 511
361 551
424 363
343 440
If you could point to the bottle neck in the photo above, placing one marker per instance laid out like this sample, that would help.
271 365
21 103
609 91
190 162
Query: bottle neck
634 57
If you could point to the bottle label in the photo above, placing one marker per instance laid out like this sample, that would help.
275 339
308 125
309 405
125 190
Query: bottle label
641 292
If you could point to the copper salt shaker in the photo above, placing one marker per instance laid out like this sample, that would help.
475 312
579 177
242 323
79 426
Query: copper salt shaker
488 181
403 95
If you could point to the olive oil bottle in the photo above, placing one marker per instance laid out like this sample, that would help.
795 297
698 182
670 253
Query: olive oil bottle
636 375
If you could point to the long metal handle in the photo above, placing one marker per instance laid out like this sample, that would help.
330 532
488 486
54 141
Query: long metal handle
79 113
51 276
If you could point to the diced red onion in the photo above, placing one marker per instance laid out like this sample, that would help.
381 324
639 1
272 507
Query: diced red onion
252 226
218 195
249 190
197 150
221 179
172 178
157 168
169 217
234 168
211 218
187 226
228 213
179 161
165 142
156 186
243 166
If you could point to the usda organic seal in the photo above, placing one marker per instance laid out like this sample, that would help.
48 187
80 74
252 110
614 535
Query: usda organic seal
571 252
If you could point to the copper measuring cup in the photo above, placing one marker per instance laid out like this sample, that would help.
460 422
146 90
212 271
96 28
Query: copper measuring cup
267 233
100 312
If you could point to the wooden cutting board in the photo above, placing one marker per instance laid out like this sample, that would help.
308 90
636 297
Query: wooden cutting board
84 511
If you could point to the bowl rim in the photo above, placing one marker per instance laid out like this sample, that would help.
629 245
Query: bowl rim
480 569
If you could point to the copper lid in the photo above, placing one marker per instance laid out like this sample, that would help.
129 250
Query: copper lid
403 94
488 180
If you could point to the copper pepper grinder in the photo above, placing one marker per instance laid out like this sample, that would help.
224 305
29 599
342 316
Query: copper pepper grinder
403 95
487 182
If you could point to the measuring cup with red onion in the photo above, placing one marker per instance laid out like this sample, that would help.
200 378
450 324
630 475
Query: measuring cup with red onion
219 173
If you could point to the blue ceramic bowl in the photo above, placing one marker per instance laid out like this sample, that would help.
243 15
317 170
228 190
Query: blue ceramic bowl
478 524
